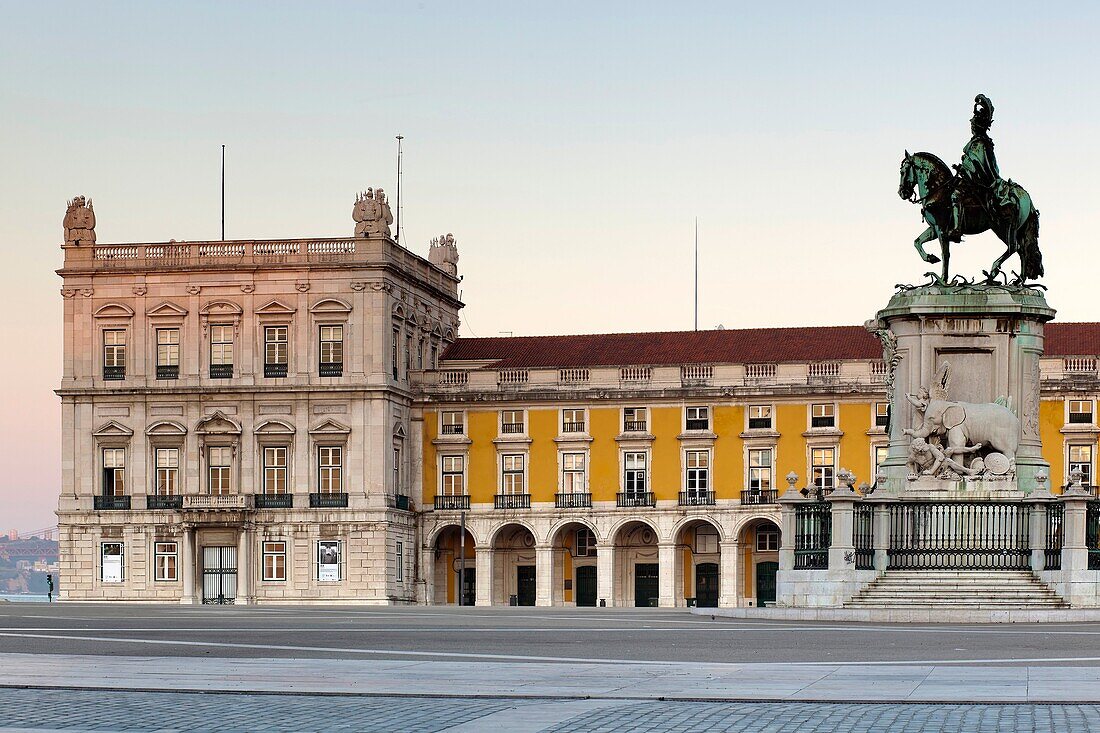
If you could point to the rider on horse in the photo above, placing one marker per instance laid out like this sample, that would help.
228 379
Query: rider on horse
977 176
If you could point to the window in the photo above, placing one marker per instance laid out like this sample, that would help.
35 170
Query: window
634 419
275 560
420 354
1080 458
1080 411
168 353
880 453
114 471
760 417
332 351
110 566
328 561
221 351
164 556
432 363
635 473
823 416
572 420
760 469
823 467
397 472
586 543
572 473
698 472
511 480
408 353
114 354
882 414
220 464
698 418
330 469
393 355
453 476
767 540
511 421
276 351
706 540
452 423
168 471
399 563
275 472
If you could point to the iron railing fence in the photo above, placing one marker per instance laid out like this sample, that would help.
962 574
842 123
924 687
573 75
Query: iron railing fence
813 532
1092 533
960 535
1052 554
863 536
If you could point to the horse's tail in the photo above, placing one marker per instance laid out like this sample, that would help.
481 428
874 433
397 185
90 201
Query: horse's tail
1030 256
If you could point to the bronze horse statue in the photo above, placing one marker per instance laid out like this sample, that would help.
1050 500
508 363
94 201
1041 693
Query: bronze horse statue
925 179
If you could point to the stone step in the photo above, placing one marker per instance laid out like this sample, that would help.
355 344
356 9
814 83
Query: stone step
957 589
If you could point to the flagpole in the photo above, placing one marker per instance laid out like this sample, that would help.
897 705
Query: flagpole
696 273
223 193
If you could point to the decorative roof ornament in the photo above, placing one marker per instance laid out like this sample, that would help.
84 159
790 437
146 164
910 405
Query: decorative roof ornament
79 222
972 200
372 214
444 253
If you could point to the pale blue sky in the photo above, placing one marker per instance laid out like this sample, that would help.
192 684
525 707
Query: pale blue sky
566 145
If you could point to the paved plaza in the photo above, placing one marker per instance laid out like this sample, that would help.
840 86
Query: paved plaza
146 668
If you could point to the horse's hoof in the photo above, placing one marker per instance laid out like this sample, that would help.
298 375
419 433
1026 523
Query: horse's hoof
932 259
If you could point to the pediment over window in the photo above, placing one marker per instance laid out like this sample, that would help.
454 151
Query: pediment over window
449 335
218 423
275 308
398 431
274 427
330 305
166 309
166 428
114 310
398 311
221 308
113 429
329 427
436 330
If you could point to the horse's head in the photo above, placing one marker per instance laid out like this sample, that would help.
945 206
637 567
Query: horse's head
908 178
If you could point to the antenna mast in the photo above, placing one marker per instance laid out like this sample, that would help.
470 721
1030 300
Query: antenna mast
696 273
223 193
397 237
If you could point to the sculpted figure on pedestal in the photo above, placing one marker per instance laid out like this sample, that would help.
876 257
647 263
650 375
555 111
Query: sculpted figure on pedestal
372 214
79 222
444 253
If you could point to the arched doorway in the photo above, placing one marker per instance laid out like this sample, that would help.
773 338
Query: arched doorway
454 559
514 566
574 573
637 569
698 559
760 541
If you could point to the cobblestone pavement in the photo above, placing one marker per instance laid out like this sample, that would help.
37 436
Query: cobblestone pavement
85 710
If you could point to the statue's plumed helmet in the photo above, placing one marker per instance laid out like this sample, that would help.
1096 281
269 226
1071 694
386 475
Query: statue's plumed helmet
983 111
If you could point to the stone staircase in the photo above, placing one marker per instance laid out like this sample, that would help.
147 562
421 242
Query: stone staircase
993 589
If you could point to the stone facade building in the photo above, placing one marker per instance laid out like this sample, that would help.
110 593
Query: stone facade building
295 421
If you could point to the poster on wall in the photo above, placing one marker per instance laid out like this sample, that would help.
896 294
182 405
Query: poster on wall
328 560
112 562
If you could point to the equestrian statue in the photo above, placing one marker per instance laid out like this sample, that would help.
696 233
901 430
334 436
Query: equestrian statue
972 200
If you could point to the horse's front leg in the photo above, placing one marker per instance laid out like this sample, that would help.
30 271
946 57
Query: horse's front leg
926 236
945 251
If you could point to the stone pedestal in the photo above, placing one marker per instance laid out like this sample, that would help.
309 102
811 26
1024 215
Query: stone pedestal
992 337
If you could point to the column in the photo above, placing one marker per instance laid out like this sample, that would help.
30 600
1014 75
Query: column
727 573
484 576
427 574
841 547
244 566
666 559
605 574
544 575
187 560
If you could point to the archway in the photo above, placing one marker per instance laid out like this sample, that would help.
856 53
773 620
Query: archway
574 575
698 563
637 569
759 541
449 566
513 565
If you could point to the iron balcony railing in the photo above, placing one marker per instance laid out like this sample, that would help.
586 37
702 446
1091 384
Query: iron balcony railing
275 371
572 427
154 501
697 498
449 502
960 535
334 500
813 534
333 369
635 499
822 422
114 373
452 429
571 500
511 428
168 372
512 501
759 496
275 501
1052 555
221 371
698 424
399 501
110 502
634 426
760 423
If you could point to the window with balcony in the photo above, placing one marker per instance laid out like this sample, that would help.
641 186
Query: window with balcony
698 472
332 351
219 470
511 422
573 479
164 557
635 477
221 351
114 354
168 471
393 354
882 414
453 423
512 480
698 418
276 351
585 543
330 469
634 420
114 471
760 417
823 467
760 469
572 420
823 415
275 470
1080 412
1080 459
398 489
168 353
452 485
274 558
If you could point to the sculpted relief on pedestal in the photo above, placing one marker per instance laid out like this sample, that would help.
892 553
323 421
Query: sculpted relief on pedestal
961 438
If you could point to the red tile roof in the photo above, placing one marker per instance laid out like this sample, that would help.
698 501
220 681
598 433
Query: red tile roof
736 346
